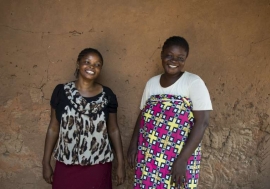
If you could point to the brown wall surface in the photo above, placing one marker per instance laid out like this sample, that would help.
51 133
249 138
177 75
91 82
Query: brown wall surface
229 48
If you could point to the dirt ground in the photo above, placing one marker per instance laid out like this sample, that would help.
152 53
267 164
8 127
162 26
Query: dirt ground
229 49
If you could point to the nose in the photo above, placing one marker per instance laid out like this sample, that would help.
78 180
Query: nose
173 59
91 66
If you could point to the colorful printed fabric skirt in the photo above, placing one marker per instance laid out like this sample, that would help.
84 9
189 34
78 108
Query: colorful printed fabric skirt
82 177
165 126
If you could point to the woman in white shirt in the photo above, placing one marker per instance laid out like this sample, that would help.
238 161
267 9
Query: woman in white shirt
174 114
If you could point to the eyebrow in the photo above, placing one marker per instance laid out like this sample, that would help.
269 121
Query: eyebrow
178 55
89 59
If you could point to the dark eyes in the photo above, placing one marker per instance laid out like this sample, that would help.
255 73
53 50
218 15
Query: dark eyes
96 65
170 57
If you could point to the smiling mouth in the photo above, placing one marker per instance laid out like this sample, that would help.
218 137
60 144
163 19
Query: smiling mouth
90 72
171 66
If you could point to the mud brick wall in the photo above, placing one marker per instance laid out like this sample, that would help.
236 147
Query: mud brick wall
229 48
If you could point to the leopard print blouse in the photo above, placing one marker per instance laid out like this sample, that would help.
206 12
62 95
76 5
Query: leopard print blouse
83 137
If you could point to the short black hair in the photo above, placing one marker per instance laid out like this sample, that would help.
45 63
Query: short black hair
85 52
178 41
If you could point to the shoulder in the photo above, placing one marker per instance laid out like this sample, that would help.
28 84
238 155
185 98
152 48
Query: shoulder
57 95
111 96
107 90
58 88
191 76
154 80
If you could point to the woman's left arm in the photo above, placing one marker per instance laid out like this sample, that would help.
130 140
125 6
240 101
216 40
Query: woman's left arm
114 133
194 139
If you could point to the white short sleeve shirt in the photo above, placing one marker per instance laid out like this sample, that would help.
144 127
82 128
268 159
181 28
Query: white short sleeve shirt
188 85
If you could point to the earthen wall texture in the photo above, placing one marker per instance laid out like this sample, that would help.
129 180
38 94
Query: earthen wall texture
229 48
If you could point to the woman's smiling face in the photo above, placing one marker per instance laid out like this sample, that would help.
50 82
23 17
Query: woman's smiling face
173 59
90 66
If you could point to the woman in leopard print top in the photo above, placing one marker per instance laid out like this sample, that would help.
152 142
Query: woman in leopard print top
83 119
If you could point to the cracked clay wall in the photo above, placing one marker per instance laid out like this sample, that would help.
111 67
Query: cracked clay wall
230 45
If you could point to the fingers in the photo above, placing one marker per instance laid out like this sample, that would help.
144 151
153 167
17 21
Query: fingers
48 180
131 161
120 180
131 157
51 179
48 173
134 162
172 178
183 179
178 179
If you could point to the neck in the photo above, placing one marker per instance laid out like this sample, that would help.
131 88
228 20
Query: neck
175 76
82 84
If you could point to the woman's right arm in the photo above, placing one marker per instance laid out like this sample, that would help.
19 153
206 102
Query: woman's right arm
133 146
51 139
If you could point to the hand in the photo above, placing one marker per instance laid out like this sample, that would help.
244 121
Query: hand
120 174
179 172
132 155
48 173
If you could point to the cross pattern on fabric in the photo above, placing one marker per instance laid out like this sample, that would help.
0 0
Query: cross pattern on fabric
165 126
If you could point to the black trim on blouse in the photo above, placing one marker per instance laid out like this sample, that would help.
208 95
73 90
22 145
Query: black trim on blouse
59 101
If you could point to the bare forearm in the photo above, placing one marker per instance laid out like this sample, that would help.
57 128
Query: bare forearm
196 134
193 141
136 131
117 144
51 139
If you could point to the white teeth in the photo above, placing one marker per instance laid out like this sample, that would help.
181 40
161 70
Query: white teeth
90 72
171 66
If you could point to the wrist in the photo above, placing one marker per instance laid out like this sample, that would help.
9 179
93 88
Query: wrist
46 162
134 142
120 162
183 157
